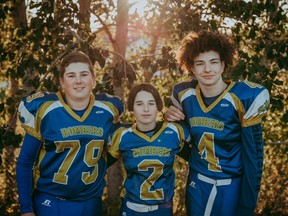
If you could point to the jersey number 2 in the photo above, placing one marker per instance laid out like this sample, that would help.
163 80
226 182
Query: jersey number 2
145 189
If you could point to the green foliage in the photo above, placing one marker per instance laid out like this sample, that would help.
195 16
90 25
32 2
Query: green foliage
274 187
274 180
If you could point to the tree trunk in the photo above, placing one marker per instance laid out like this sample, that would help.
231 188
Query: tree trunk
9 156
19 20
148 74
114 176
121 37
19 16
84 17
276 2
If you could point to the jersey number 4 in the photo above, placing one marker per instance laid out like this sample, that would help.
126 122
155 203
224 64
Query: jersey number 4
90 159
207 151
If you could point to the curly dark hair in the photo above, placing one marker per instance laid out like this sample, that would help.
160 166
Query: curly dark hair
198 42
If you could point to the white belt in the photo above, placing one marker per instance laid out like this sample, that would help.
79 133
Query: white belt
218 182
141 207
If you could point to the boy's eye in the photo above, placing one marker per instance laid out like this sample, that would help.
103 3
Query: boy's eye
199 64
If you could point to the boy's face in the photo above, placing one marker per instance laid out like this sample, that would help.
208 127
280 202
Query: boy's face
145 110
208 68
77 81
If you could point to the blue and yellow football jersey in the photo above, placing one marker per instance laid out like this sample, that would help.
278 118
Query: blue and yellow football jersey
149 161
227 134
70 163
216 129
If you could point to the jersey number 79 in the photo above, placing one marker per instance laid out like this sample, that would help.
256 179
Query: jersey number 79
61 176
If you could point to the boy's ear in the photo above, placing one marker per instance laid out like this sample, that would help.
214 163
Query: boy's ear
192 71
223 66
61 83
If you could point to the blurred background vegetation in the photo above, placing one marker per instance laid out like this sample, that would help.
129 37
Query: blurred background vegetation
134 41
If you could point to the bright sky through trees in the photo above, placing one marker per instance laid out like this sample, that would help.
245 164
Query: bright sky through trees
138 5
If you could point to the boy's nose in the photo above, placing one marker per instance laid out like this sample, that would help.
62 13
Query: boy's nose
207 67
146 108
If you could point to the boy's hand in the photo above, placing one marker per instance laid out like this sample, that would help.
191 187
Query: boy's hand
174 114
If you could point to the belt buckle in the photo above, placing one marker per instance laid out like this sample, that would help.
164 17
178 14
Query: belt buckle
152 207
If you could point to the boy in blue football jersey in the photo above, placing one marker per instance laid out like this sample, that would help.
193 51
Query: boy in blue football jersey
148 150
224 117
61 169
